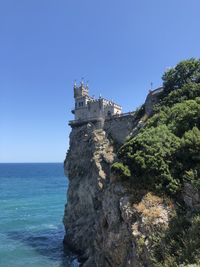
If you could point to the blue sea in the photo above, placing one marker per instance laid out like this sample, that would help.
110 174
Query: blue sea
32 199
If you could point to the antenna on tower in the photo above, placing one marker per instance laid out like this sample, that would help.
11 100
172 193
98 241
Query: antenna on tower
151 85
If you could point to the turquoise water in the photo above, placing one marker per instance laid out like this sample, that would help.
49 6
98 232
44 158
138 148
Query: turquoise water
32 199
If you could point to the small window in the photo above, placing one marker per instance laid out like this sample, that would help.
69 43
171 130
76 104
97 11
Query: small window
80 104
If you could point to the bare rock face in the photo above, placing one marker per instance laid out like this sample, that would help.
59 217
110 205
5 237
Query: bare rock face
191 197
107 223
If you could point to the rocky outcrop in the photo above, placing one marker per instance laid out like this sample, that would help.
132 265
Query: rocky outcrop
191 197
108 222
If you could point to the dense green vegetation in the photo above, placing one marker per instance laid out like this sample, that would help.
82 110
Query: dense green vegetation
187 71
166 154
167 149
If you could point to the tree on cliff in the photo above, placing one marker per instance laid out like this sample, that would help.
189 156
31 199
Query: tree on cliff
187 71
166 154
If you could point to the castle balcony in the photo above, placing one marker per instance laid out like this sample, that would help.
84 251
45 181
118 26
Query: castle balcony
80 122
74 123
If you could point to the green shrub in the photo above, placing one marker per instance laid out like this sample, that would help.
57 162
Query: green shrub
180 118
149 157
139 113
181 244
187 92
121 170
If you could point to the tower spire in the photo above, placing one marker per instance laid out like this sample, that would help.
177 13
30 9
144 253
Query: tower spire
82 80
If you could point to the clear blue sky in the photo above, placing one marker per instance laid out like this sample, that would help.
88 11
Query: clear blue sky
120 46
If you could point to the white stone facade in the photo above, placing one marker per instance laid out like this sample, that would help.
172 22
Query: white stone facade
87 107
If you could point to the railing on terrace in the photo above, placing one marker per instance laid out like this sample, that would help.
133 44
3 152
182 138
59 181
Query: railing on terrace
120 115
82 121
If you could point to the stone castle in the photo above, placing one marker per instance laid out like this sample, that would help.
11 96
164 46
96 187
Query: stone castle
89 108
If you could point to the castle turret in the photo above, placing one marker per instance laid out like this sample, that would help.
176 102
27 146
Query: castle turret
81 96
80 91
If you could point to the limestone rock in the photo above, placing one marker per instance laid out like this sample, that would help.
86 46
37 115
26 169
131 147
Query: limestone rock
104 224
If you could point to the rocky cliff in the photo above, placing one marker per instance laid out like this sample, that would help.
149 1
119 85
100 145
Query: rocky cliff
134 181
108 222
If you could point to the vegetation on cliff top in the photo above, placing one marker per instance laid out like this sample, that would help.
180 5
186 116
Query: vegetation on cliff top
166 154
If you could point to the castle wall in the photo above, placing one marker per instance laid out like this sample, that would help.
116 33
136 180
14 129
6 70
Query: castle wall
95 109
152 99
87 107
119 128
81 113
112 110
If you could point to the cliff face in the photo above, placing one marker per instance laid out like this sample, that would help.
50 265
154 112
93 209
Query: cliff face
108 222
146 212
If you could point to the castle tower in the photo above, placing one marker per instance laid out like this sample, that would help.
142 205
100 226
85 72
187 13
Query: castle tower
80 91
81 97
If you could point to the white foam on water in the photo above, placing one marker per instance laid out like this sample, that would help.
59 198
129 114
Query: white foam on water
42 226
50 226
